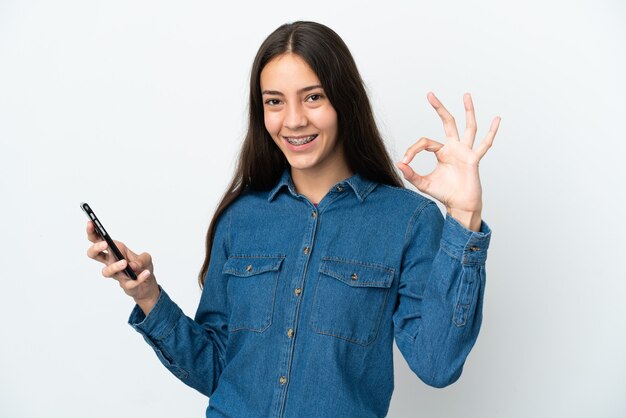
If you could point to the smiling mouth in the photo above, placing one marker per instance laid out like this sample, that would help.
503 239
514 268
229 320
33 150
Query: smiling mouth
300 140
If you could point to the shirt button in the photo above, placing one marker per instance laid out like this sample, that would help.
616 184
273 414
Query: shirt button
339 188
354 276
249 267
297 291
306 249
290 333
474 248
282 380
313 214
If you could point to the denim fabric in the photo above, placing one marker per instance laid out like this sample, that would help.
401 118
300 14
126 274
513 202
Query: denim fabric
302 303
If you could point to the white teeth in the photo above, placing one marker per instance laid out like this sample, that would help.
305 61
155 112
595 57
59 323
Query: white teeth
300 141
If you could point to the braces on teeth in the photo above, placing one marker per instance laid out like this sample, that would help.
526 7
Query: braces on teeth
301 141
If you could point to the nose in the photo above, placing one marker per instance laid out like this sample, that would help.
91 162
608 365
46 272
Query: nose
295 117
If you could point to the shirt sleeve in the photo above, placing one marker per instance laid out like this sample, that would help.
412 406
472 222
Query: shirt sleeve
440 296
192 349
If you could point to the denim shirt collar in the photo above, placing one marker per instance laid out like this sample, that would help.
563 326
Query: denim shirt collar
361 186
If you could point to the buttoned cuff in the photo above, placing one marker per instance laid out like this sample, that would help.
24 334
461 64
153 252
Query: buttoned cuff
470 247
160 321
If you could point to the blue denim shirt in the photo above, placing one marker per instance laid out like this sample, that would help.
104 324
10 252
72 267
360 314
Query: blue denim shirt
302 303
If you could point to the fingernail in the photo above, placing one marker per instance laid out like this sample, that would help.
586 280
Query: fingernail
405 159
102 245
144 274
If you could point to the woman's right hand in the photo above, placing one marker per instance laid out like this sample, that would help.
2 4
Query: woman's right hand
145 290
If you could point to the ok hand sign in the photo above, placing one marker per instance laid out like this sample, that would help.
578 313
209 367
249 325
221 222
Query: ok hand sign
454 181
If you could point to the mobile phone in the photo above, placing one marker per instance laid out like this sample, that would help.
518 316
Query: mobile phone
103 233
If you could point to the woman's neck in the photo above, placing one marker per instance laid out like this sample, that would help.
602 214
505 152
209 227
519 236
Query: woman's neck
315 184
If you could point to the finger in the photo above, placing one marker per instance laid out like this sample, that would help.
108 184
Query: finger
414 178
470 121
96 251
132 284
139 262
422 144
122 247
112 269
488 141
449 124
92 235
145 259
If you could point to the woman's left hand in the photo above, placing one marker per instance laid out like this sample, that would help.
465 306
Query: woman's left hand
454 181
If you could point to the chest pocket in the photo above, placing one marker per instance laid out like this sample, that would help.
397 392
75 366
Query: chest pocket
251 291
350 297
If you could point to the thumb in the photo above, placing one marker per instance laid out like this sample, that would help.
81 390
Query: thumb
141 262
134 261
414 178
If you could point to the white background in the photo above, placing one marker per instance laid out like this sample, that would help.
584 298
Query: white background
138 107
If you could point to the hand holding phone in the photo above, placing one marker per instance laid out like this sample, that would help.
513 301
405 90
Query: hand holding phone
105 236
143 287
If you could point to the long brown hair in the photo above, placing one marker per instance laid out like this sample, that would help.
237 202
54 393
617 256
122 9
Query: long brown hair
261 162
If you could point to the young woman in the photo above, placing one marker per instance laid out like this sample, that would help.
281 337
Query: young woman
318 257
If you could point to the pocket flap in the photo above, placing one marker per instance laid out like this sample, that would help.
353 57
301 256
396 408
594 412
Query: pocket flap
244 266
357 273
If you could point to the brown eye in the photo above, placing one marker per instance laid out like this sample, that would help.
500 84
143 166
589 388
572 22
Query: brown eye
314 97
272 102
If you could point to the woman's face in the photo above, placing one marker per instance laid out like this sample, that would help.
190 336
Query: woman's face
299 116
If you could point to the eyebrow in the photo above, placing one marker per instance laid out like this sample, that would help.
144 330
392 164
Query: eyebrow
302 90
